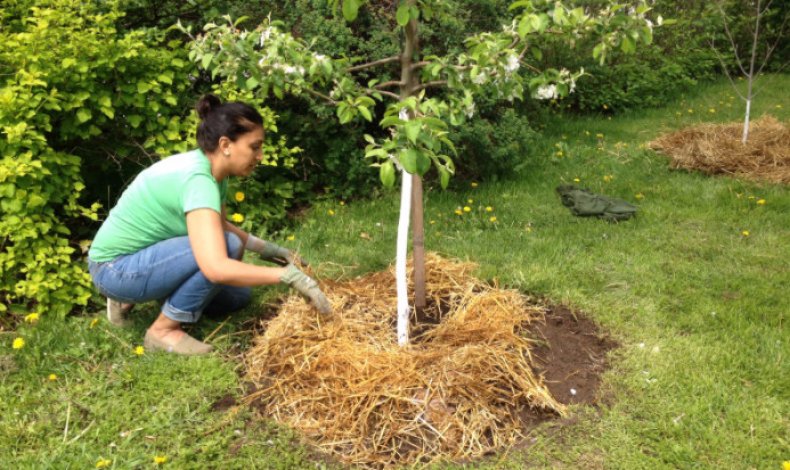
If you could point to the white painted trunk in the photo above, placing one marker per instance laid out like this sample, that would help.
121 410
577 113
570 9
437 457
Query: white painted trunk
400 259
746 120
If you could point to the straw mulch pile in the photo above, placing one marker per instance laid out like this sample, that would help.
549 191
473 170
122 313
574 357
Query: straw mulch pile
462 388
717 149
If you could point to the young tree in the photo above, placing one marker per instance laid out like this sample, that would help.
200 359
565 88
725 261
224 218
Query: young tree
416 120
755 48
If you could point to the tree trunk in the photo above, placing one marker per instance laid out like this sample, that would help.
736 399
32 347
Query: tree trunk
750 77
411 195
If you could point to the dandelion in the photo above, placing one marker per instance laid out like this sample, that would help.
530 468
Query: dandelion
577 180
492 219
559 153
639 196
93 323
52 377
103 463
433 222
290 238
236 217
459 212
467 209
599 135
711 110
160 459
239 196
607 178
779 106
473 184
690 111
745 233
786 463
18 343
470 201
342 203
31 318
330 212
489 209
761 202
139 350
528 229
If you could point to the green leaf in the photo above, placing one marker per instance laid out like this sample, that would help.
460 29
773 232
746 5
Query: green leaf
105 102
423 163
109 112
165 78
251 83
387 173
408 159
412 129
444 177
628 45
83 115
134 120
402 15
365 112
206 60
391 121
350 9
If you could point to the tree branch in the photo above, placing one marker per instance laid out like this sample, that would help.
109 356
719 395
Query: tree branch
387 84
374 63
726 70
425 85
320 95
732 40
420 64
371 91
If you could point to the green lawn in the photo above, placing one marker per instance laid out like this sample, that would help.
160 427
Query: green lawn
700 310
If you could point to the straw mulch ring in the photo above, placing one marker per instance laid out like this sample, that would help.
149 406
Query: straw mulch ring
717 149
458 391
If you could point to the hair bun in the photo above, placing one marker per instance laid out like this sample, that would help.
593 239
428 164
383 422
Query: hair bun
206 104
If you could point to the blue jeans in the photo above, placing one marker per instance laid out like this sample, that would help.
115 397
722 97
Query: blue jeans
168 271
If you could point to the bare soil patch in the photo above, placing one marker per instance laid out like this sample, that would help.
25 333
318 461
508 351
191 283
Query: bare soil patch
717 149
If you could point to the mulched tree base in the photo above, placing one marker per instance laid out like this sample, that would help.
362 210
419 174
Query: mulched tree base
717 149
464 387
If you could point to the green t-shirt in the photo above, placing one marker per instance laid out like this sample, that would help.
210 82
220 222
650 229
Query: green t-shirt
154 207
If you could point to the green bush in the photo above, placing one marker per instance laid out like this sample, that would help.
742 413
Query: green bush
73 90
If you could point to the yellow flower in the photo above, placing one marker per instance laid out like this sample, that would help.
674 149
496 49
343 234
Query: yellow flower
139 350
330 212
432 222
474 184
529 229
103 463
786 463
605 107
290 238
745 233
470 201
711 110
577 180
492 219
31 317
779 106
52 377
467 209
586 132
239 196
238 218
607 178
160 459
639 196
458 212
559 154
690 111
342 203
18 343
599 135
761 202
750 197
93 323
489 209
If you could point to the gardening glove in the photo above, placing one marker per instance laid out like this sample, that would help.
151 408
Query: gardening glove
307 287
272 252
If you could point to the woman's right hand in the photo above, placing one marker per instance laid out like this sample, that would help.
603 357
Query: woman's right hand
307 287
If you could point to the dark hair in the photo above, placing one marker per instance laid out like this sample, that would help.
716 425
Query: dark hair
218 119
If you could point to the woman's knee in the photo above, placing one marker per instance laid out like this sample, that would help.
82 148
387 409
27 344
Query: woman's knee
234 245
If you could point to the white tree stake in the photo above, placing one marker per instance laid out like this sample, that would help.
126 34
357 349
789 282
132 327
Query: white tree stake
400 259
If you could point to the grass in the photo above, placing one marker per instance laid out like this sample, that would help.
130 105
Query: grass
700 310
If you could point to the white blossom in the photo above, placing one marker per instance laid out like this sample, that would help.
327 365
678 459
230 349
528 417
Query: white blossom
479 79
512 64
649 24
469 110
319 57
546 92
265 35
